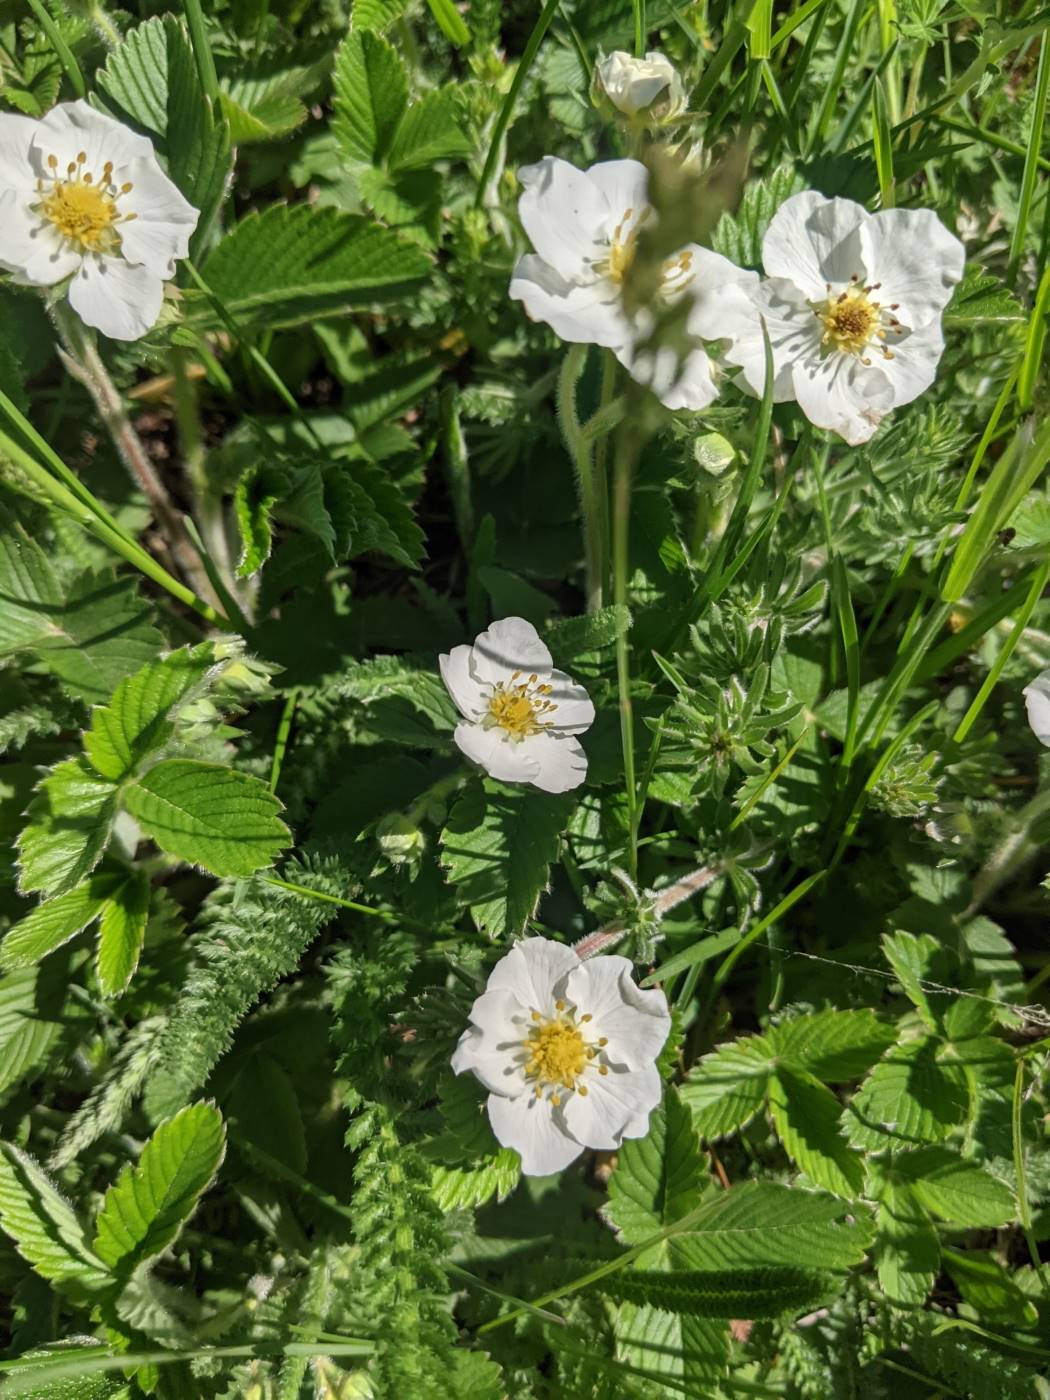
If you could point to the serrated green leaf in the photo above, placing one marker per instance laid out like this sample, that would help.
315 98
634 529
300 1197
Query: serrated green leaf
980 299
257 492
151 81
35 1380
806 1116
658 1178
917 1094
833 1045
907 1250
147 1206
955 1190
265 106
121 931
371 95
739 236
379 519
29 1024
376 14
728 1087
917 959
137 720
985 1284
466 1188
429 131
69 824
761 1222
286 266
54 922
208 815
571 637
43 1227
89 633
748 1293
497 848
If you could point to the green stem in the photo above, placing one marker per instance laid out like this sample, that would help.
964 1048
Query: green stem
284 728
61 48
1031 165
95 520
202 50
621 525
582 453
306 891
207 501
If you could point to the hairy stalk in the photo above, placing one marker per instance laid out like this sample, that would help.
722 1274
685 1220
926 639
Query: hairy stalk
626 450
85 364
581 450
207 501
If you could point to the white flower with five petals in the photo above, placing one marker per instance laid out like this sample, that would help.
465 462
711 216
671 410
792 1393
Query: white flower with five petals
852 303
520 715
584 225
567 1050
83 197
1037 702
651 85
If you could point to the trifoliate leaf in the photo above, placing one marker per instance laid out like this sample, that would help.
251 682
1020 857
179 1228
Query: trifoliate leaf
917 1094
955 1190
832 1045
208 815
146 1207
762 1222
728 1087
658 1178
429 131
69 825
497 848
907 1250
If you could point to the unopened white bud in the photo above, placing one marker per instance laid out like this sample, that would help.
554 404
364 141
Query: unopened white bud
650 86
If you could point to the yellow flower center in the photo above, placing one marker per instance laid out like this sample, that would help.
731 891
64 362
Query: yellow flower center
519 709
557 1054
84 211
852 320
676 273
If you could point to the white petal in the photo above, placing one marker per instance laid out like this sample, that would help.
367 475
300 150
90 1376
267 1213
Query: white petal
509 645
493 750
460 683
793 331
532 970
561 763
121 301
575 712
529 1126
812 241
677 383
913 368
492 1048
565 215
72 127
635 1021
839 393
16 137
30 247
915 259
1037 701
625 185
160 231
616 1106
584 313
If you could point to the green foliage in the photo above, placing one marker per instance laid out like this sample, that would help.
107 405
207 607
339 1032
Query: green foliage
497 847
288 266
146 1206
43 1226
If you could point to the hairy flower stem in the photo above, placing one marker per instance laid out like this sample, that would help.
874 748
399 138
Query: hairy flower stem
207 501
591 492
663 901
626 450
86 365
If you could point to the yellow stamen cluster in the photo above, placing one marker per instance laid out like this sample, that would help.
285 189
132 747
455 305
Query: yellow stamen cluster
84 211
852 320
557 1054
519 709
623 248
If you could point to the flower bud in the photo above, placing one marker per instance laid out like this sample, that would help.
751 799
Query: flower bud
649 87
400 839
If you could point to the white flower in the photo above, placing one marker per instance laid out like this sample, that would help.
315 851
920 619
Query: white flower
852 304
567 1050
633 85
1037 700
520 714
584 225
83 197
